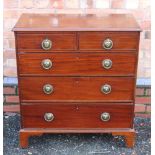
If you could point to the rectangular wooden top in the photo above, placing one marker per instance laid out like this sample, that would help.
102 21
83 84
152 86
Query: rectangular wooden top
76 22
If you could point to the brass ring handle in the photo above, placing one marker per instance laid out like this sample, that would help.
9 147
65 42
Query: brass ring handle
48 117
107 44
106 89
48 89
107 63
46 63
46 44
105 116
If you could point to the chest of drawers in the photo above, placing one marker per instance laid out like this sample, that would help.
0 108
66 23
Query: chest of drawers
77 76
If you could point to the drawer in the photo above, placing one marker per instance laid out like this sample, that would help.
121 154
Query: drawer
78 89
78 64
45 42
77 116
107 41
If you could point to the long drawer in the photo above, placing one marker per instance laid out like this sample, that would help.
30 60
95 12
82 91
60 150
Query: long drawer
78 89
77 116
78 64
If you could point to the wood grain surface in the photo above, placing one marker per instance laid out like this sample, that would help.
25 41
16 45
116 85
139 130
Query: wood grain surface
77 22
76 89
77 116
121 40
77 64
60 41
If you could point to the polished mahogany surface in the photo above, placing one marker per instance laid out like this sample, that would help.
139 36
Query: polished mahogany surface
77 22
60 41
77 64
75 89
121 40
77 116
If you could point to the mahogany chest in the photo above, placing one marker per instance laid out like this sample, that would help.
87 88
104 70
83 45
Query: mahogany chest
77 74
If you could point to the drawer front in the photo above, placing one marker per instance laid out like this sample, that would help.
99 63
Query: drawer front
90 64
78 89
100 41
77 116
37 42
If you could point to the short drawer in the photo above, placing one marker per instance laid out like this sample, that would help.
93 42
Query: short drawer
77 116
107 41
45 42
78 64
78 89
